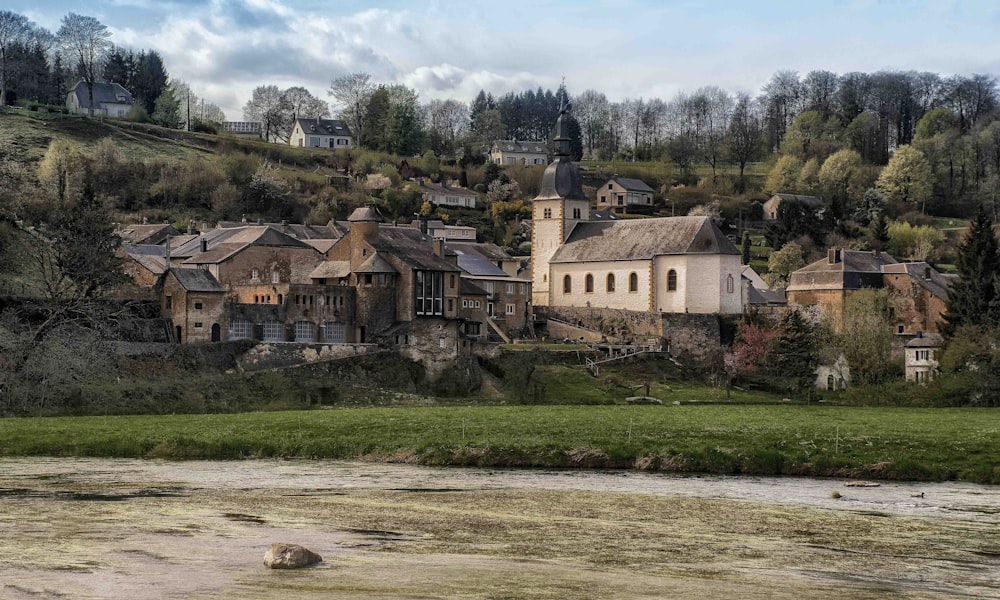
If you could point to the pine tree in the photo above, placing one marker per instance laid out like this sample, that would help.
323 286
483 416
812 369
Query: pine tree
746 248
795 354
974 297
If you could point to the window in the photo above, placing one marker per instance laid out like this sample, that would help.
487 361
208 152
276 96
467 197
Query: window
274 331
511 308
671 280
609 186
488 286
275 277
588 284
430 292
567 285
197 325
604 199
240 329
830 384
451 281
621 200
547 213
729 283
633 282
451 305
900 329
256 299
198 305
523 289
576 213
304 331
610 286
254 275
510 288
368 278
479 304
465 303
168 302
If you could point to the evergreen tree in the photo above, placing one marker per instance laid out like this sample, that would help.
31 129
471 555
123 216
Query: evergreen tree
375 131
150 80
406 135
168 111
746 248
795 355
973 298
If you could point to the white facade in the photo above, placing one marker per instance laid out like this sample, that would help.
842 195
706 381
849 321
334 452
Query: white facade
624 285
551 222
921 363
320 133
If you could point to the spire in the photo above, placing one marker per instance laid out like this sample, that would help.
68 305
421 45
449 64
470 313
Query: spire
562 131
562 178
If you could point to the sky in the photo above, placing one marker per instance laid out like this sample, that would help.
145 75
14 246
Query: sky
453 48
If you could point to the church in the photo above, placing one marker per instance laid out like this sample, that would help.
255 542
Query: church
667 264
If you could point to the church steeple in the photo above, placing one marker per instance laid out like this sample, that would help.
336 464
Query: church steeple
561 179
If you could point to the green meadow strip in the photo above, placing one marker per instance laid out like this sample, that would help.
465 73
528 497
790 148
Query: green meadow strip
879 443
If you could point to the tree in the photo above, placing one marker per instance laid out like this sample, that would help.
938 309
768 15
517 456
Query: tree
841 176
745 135
502 190
352 93
168 111
784 176
14 29
59 172
298 102
867 336
745 250
446 120
375 131
973 297
150 80
795 354
121 67
782 263
87 40
266 106
907 178
405 128
913 242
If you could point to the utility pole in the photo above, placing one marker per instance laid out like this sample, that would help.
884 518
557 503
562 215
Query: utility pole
189 110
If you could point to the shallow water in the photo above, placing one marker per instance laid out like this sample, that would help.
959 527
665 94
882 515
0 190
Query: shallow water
98 528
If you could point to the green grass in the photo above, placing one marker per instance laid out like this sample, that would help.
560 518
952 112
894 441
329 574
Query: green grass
887 443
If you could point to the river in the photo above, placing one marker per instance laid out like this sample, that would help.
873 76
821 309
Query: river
100 528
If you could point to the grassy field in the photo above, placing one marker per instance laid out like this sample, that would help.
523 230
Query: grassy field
913 444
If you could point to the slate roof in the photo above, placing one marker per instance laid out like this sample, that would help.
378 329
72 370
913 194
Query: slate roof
633 185
487 249
376 264
197 280
104 93
323 126
479 266
295 230
224 243
811 200
412 247
331 269
642 239
467 288
923 275
364 213
853 270
766 297
926 340
147 234
150 256
604 215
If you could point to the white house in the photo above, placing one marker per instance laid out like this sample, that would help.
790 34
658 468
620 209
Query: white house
442 194
321 133
669 264
110 100
519 152
921 357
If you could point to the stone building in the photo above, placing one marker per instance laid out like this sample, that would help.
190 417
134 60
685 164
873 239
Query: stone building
195 303
921 357
622 195
921 291
669 264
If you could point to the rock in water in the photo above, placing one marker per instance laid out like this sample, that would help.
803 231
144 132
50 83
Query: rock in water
289 556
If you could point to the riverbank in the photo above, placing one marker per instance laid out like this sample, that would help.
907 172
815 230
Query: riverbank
95 528
863 442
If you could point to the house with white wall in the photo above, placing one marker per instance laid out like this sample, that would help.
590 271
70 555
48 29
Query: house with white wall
321 133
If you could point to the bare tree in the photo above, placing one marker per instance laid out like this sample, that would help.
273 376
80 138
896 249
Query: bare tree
300 103
592 111
446 120
745 133
87 40
351 93
267 106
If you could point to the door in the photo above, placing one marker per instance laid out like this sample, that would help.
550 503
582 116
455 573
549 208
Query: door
216 332
177 333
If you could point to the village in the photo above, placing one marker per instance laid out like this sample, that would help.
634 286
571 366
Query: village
601 272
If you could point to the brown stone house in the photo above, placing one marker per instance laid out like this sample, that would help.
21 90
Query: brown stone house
921 290
144 263
773 204
195 302
405 287
508 297
621 195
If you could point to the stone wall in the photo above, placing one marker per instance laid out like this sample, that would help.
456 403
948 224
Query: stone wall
689 336
270 356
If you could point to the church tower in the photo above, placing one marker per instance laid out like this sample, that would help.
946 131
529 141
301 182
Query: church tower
559 206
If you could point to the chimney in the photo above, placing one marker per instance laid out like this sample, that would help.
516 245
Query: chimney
191 230
833 256
284 225
927 273
244 220
260 221
439 247
204 245
422 224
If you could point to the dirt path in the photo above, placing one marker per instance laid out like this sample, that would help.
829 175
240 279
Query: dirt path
148 529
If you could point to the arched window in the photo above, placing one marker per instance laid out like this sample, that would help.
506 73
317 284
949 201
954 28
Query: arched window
671 280
729 284
611 282
830 385
633 282
588 283
567 285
